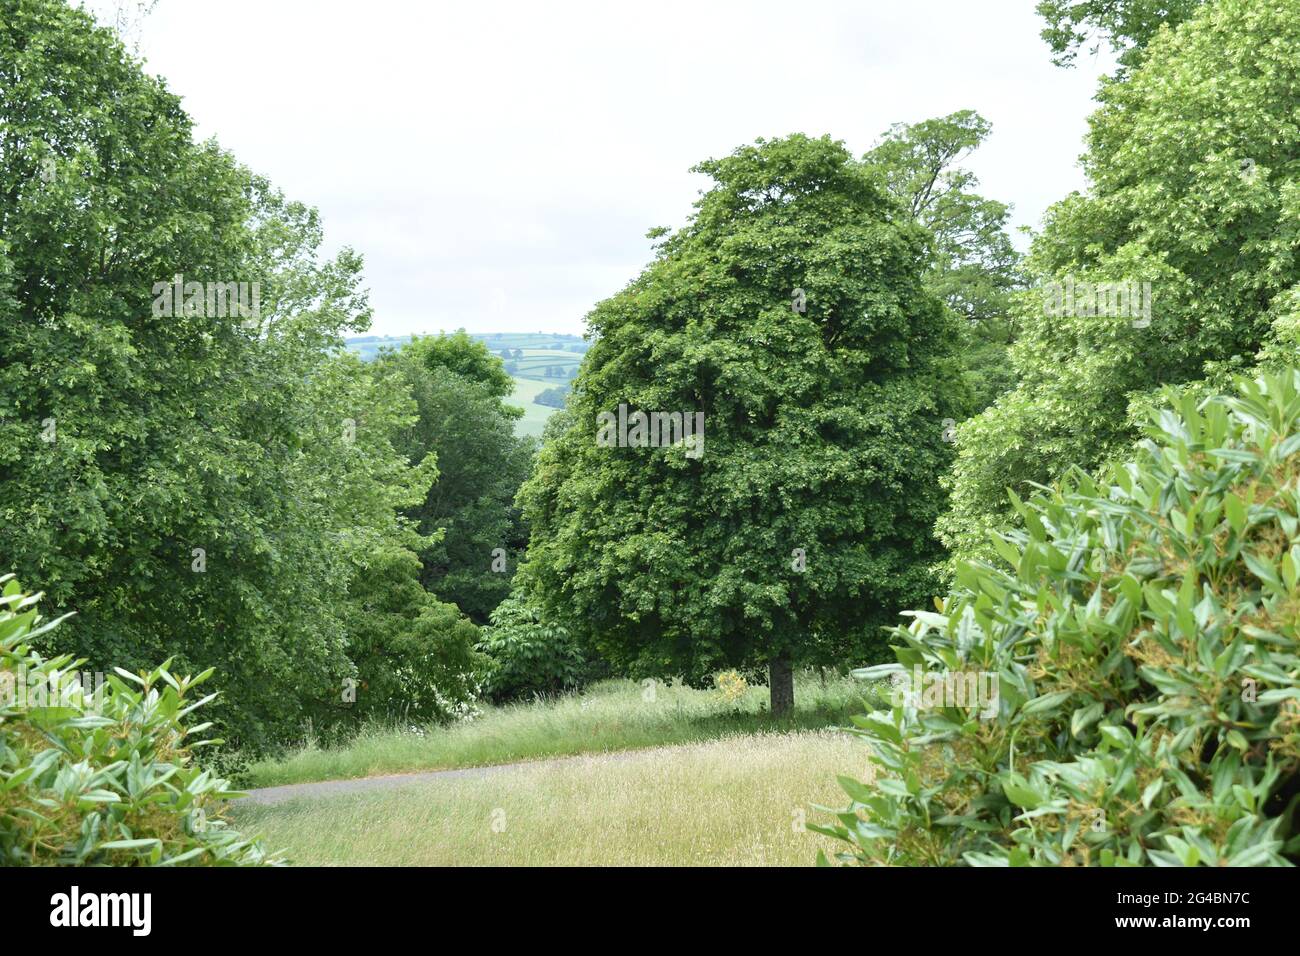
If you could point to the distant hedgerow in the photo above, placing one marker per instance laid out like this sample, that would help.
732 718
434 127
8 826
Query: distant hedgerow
1143 633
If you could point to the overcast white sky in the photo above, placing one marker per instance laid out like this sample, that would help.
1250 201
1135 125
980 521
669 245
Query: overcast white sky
498 163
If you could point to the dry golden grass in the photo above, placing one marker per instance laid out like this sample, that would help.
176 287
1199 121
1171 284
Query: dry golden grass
738 801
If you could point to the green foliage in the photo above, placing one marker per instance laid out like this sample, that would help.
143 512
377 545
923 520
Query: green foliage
197 486
469 512
414 655
552 397
1143 632
823 430
530 655
1195 189
1126 25
98 774
975 267
461 355
975 263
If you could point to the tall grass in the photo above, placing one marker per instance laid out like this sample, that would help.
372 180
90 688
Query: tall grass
608 716
738 801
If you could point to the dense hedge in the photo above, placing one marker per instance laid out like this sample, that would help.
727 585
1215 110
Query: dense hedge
98 773
1143 633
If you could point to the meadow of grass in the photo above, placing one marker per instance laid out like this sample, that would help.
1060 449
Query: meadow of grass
535 361
609 716
535 415
737 801
528 340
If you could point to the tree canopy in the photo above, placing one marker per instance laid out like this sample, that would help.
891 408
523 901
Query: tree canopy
1125 26
975 267
197 483
792 314
1193 190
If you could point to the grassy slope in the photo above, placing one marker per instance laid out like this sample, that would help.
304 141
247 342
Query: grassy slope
535 415
732 802
529 382
610 716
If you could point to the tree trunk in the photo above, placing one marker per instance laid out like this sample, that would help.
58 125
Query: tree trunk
780 682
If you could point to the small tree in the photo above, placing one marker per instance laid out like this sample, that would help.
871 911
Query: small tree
414 654
529 654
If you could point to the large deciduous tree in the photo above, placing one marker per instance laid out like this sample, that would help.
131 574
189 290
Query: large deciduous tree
975 267
791 312
1195 189
196 484
463 420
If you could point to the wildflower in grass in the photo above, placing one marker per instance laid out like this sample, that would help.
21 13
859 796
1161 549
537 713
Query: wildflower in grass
731 686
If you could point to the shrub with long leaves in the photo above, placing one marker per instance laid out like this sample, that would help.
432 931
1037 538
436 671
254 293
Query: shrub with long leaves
1143 630
530 654
102 774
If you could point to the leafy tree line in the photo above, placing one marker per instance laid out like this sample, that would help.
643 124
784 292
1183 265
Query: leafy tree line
552 397
335 531
1198 211
228 490
869 360
326 523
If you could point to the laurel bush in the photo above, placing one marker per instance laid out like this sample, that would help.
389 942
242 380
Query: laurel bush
100 771
1142 627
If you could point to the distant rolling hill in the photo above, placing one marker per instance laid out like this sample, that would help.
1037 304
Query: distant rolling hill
535 360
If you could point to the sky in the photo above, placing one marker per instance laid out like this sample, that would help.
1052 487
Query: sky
498 164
